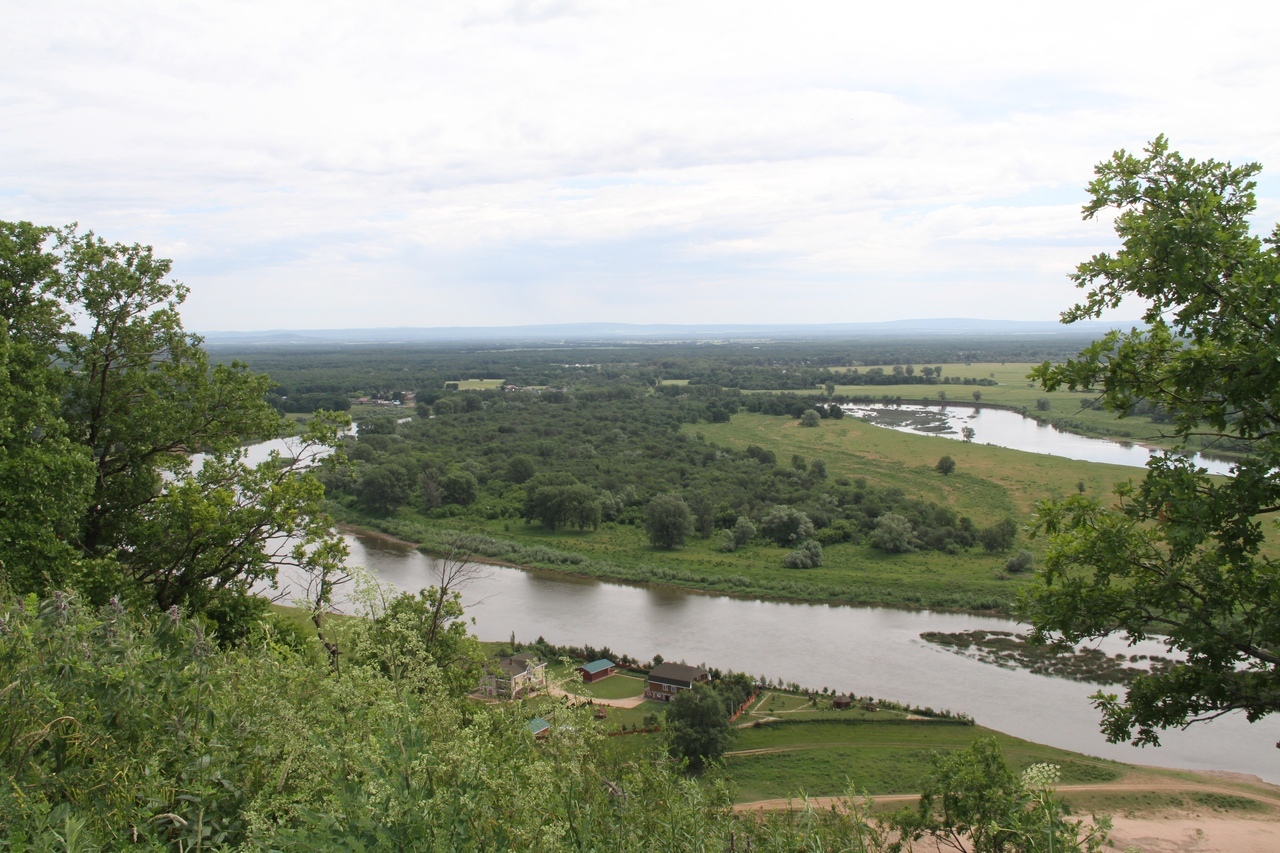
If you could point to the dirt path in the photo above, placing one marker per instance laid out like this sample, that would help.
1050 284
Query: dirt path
1180 833
1270 799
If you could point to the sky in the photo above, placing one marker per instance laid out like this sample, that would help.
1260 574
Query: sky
314 164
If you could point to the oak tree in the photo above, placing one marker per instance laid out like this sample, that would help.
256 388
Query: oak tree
1177 556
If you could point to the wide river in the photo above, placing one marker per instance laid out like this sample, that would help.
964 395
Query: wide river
865 650
868 651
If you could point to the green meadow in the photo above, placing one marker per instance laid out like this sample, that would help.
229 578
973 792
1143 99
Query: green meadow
832 757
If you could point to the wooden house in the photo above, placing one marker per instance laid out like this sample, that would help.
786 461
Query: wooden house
667 679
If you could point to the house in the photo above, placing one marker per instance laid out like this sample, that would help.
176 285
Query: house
842 702
515 676
538 727
667 679
597 670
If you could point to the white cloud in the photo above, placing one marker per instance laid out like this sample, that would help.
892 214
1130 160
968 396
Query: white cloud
534 161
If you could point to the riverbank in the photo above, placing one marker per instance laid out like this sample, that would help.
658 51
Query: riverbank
851 574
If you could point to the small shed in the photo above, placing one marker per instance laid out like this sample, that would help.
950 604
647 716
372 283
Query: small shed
842 702
538 727
597 669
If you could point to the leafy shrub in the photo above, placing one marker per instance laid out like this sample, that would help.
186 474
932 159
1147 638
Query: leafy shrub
1020 562
807 556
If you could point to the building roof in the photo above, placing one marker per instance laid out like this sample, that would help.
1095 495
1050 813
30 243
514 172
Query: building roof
679 674
597 666
518 664
537 725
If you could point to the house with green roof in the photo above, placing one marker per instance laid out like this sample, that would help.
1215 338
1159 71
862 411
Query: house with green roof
596 670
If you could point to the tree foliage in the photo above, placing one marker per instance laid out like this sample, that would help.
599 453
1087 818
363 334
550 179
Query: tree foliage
786 525
697 725
971 801
668 521
1178 555
999 536
894 534
106 396
807 556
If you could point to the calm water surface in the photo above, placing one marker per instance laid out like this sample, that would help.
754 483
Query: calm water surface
1009 429
865 650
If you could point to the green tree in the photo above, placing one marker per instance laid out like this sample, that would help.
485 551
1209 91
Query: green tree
557 499
743 532
383 488
945 465
668 521
1178 555
45 477
697 726
137 395
786 525
810 418
459 486
893 533
519 470
999 536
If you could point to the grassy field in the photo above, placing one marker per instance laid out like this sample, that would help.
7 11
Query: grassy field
1015 391
827 757
616 686
989 482
477 384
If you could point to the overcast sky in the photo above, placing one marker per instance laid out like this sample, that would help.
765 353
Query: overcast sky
328 165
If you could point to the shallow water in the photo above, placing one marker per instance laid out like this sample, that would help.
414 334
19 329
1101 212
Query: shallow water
1003 428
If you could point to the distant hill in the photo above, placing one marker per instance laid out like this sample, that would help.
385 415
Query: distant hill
614 333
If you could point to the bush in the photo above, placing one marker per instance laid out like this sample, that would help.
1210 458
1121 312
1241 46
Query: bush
1020 562
810 418
743 532
807 556
999 536
945 465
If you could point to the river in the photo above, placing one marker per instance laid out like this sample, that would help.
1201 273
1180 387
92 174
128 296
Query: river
865 650
1004 428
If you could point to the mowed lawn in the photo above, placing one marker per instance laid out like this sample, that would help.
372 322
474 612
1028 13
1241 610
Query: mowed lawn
828 758
617 686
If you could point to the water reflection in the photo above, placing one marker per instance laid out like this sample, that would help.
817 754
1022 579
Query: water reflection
873 651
